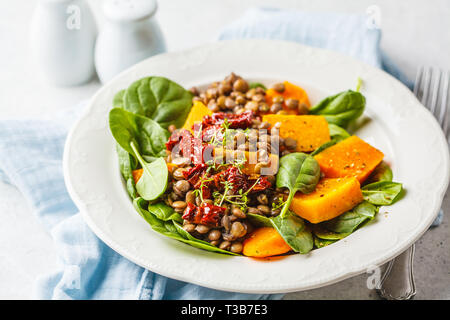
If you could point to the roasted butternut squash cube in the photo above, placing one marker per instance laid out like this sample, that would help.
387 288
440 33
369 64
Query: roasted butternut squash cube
291 91
351 157
137 174
309 131
251 160
198 111
331 198
264 242
171 166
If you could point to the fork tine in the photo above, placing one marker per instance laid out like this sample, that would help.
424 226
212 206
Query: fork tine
426 87
432 89
444 105
418 82
434 93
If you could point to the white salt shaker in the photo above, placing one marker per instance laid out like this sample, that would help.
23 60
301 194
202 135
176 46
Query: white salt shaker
62 40
130 34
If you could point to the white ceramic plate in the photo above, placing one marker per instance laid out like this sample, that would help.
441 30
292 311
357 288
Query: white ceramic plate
397 124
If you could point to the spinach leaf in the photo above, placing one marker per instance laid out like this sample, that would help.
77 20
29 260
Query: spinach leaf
381 173
172 229
153 181
127 127
259 219
381 193
157 98
163 212
156 224
337 133
324 234
351 220
324 146
342 108
257 85
127 164
191 240
294 231
320 243
118 99
297 172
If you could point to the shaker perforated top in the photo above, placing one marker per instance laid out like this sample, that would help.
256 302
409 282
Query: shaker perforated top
129 10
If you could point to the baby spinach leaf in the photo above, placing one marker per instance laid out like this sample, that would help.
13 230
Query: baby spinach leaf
351 220
259 219
257 85
324 146
342 108
320 243
147 134
172 229
118 99
156 224
292 228
153 181
127 164
191 240
163 212
324 234
297 172
337 133
381 193
381 173
294 231
157 98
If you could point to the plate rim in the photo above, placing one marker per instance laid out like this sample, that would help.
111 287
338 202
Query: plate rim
249 289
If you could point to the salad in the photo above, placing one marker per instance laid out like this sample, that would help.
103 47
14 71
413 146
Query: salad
241 169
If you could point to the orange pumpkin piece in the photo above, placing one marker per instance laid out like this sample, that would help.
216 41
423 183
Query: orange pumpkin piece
249 166
171 167
264 242
331 198
309 131
198 111
351 157
291 91
137 174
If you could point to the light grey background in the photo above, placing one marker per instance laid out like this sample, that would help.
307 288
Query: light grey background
415 32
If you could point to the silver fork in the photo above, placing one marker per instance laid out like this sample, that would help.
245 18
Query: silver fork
431 88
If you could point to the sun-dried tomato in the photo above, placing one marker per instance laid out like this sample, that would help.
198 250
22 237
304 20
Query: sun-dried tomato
235 121
194 174
177 137
203 152
262 184
190 212
207 214
213 130
239 181
232 174
184 144
211 214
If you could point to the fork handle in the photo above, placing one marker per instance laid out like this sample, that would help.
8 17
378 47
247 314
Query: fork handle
397 281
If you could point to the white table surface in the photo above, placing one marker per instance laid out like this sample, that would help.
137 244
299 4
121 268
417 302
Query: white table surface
415 33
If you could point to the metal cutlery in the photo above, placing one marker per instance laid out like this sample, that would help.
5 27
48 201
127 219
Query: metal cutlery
431 88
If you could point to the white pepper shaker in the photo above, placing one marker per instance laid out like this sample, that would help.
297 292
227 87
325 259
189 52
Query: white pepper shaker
130 34
62 39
